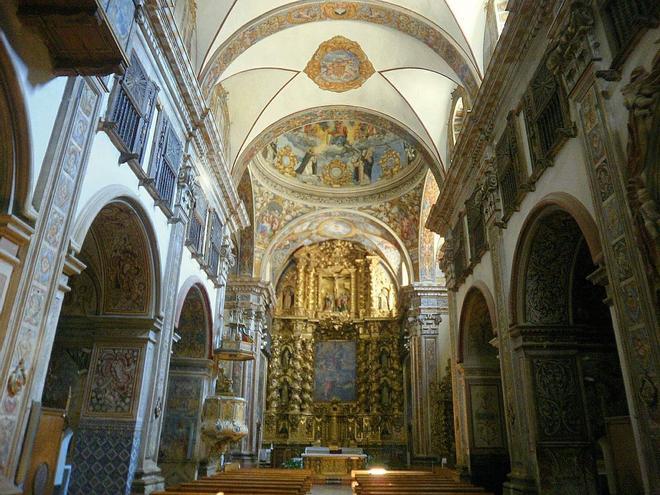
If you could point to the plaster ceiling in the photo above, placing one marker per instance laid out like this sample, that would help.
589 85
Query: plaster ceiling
302 78
416 51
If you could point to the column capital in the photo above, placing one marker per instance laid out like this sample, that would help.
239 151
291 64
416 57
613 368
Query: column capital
250 293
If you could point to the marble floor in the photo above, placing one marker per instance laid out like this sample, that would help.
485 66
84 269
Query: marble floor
331 490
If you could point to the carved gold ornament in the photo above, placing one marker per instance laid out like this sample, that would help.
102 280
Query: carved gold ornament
286 161
340 10
390 163
338 65
336 174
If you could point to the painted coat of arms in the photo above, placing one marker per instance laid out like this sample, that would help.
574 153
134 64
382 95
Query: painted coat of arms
338 65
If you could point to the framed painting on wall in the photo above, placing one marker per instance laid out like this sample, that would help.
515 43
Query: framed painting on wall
334 370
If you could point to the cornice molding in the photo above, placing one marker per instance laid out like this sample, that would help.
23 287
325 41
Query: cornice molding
525 19
207 136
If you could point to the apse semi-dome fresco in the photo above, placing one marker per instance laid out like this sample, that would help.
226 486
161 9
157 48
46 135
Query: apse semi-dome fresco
339 153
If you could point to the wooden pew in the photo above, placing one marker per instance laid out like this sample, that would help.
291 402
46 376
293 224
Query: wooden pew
411 483
247 481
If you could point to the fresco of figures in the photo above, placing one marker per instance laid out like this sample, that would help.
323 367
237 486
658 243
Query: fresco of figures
339 153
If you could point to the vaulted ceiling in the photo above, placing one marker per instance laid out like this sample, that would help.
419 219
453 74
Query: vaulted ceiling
338 90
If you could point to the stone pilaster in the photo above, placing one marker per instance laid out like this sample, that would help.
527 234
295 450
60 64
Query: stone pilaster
110 429
634 304
426 305
27 341
521 477
147 477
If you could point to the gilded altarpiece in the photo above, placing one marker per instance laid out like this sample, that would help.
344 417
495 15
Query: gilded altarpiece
335 374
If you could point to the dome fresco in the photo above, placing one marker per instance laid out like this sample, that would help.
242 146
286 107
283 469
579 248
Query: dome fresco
339 154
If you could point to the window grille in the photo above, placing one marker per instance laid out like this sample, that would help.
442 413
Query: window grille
197 221
130 111
166 162
627 19
546 116
476 229
215 244
458 243
507 164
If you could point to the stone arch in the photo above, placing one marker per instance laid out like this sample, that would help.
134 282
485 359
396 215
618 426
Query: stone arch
477 313
189 376
582 225
125 205
103 341
15 145
563 331
194 324
249 150
480 388
274 273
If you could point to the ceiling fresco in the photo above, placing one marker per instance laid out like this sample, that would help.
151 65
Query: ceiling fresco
339 65
429 241
339 154
333 224
275 215
459 58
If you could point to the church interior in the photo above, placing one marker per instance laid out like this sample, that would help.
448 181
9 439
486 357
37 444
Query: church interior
344 247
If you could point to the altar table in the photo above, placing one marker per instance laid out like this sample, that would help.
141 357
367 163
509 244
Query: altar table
325 465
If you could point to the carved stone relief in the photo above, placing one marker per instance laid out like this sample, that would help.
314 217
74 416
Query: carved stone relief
547 276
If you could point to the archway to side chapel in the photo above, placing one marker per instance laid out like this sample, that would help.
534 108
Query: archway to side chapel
479 375
581 433
189 380
105 333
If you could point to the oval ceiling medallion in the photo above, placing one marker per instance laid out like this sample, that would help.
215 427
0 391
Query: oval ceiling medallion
338 65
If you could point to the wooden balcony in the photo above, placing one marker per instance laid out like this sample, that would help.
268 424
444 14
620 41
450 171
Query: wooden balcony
84 37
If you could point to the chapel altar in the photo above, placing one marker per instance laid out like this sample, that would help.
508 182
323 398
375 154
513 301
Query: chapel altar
333 463
335 375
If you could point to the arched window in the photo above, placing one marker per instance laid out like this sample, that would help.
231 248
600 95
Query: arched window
457 118
501 13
